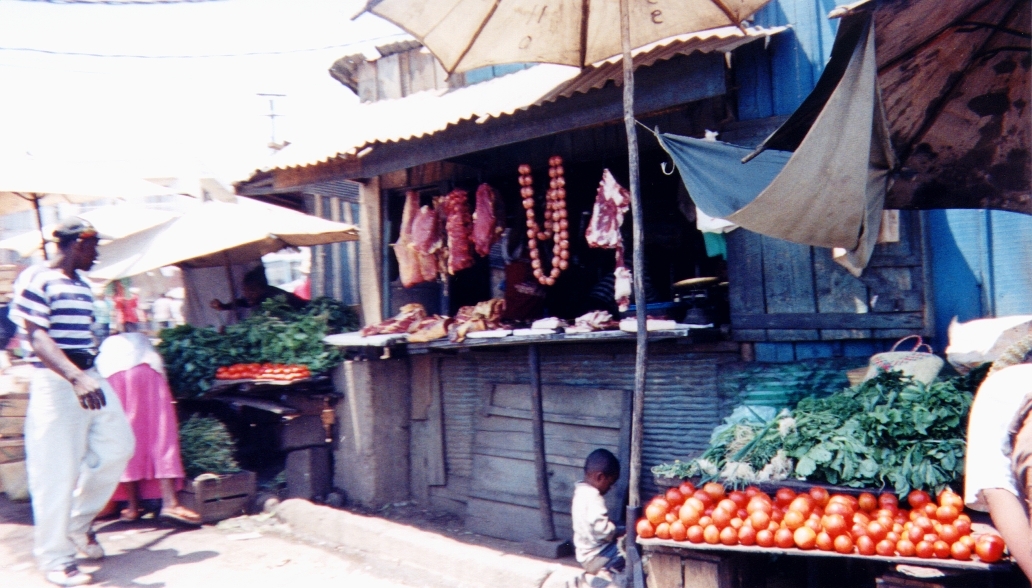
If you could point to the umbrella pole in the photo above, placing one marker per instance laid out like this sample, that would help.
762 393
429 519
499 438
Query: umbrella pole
641 356
39 226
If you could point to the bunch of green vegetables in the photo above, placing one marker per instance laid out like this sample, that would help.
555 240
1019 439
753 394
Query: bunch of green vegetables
206 447
890 431
275 333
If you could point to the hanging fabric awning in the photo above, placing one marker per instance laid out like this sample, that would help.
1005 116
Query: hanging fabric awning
825 187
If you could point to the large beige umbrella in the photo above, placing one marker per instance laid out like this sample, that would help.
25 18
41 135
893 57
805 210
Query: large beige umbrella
29 183
214 234
114 222
467 34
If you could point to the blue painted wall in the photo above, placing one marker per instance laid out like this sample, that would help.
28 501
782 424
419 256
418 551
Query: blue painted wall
981 265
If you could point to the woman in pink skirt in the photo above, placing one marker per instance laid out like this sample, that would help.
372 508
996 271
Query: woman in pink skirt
137 374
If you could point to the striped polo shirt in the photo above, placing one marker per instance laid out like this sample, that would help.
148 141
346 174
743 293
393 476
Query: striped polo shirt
63 306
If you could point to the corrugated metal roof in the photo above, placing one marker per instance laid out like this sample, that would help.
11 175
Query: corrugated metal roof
425 113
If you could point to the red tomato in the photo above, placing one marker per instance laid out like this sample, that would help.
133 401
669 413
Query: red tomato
876 531
868 502
747 535
784 538
671 517
805 538
695 534
759 503
941 549
696 504
825 542
905 547
689 515
839 508
714 490
765 538
886 500
924 550
674 497
784 496
739 498
686 488
924 523
656 511
885 547
663 530
834 524
918 498
794 519
947 513
729 536
844 544
963 524
802 503
820 495
711 535
678 532
728 505
950 498
989 548
645 530
751 491
759 520
865 545
703 497
721 518
960 551
949 534
705 521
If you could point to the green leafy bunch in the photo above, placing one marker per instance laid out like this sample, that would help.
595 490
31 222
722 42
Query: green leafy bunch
274 333
888 431
206 447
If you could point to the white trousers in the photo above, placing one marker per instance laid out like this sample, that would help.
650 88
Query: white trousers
74 458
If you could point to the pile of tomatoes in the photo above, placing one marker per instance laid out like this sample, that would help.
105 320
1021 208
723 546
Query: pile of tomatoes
865 525
262 371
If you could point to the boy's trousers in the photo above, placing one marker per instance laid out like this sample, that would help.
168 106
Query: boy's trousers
74 458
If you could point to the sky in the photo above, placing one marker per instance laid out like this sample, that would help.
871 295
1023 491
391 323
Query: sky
171 89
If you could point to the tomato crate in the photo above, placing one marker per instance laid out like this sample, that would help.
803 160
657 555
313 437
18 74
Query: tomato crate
218 497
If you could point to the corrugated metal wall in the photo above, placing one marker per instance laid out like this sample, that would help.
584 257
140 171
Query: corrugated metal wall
335 267
981 265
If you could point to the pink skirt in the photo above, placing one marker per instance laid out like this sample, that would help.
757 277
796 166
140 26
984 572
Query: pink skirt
147 400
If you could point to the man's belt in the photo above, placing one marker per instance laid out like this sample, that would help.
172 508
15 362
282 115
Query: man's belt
82 358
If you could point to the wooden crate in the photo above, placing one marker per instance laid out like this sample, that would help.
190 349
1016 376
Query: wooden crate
12 449
219 497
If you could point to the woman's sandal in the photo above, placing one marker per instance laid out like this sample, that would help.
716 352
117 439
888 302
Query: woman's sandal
181 514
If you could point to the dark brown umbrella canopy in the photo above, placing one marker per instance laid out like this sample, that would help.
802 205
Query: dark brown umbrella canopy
955 81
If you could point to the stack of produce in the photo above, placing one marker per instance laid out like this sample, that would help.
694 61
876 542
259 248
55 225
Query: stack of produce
273 334
888 431
864 525
263 371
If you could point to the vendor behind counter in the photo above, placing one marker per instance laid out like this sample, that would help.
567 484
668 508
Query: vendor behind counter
256 291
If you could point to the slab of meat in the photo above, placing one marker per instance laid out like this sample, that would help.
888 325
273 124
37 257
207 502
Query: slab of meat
430 329
483 316
596 320
409 315
459 228
426 234
487 228
408 262
611 203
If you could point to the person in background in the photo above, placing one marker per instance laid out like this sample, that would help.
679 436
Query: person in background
128 307
101 316
137 375
176 308
257 290
999 453
161 313
77 438
594 535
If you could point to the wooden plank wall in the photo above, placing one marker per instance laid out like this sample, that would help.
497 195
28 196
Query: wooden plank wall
782 291
486 428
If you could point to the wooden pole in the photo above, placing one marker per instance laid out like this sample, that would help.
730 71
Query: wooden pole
641 357
39 225
541 468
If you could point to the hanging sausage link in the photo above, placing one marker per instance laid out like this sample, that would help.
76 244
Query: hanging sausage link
556 224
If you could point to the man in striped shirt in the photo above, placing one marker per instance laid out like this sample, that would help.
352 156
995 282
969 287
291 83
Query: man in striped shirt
77 438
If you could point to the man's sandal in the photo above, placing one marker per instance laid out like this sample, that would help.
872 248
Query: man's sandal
69 576
182 515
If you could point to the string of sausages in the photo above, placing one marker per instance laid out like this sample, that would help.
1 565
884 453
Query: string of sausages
555 222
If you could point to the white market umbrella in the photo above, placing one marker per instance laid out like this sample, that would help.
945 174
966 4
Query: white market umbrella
28 183
467 34
113 222
214 234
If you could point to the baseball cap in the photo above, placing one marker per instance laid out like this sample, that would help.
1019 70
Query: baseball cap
76 227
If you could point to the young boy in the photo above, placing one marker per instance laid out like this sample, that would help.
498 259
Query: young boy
594 535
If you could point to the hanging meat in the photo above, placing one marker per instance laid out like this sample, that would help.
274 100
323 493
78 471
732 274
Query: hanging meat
458 226
487 226
408 260
426 232
611 204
